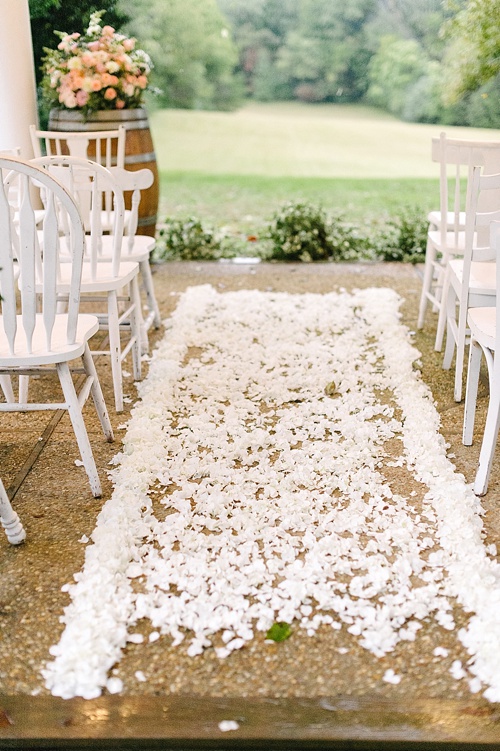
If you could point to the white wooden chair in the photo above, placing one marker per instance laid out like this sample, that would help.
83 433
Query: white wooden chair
445 239
106 147
32 341
470 281
10 520
112 287
484 326
136 247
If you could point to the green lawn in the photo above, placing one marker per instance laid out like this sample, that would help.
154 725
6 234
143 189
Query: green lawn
235 168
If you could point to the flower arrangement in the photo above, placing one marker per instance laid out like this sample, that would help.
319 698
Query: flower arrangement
100 69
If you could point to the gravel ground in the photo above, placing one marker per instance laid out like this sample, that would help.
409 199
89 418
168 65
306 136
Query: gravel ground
57 508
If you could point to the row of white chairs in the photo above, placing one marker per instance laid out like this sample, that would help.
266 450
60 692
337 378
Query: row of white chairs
82 246
461 275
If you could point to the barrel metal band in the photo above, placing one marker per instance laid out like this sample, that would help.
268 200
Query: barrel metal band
110 125
138 158
144 221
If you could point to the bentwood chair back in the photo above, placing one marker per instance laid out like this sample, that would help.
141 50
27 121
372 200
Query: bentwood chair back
111 287
34 336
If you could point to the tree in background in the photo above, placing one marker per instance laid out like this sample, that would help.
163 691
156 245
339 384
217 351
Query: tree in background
192 50
259 29
473 52
326 55
423 60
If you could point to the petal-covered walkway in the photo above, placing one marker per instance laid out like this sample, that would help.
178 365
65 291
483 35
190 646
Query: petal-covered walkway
59 515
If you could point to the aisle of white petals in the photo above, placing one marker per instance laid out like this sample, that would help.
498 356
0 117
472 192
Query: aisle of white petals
274 433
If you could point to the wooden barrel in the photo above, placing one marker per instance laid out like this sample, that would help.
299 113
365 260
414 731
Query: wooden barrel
139 150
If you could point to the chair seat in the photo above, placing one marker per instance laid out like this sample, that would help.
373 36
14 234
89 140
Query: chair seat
103 281
143 245
434 218
61 351
482 275
482 324
454 243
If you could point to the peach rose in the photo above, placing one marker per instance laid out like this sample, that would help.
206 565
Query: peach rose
88 59
110 94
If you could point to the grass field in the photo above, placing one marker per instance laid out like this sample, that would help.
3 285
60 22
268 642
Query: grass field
236 168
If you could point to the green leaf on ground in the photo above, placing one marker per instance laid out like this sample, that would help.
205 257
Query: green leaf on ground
279 632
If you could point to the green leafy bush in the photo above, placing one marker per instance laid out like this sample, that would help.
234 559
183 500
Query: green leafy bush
303 232
349 243
186 239
299 232
403 237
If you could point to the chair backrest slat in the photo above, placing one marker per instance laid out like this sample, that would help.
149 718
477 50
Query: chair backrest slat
7 280
27 245
50 266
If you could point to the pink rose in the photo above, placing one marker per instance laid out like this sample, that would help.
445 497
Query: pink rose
120 104
93 46
81 98
110 94
142 82
107 31
128 44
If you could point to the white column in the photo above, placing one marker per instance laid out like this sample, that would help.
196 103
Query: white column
18 108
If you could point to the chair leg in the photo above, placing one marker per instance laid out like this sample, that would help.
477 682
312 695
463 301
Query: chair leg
460 353
115 350
475 354
24 382
137 329
96 391
426 283
9 519
147 280
6 386
450 319
443 313
76 417
489 442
